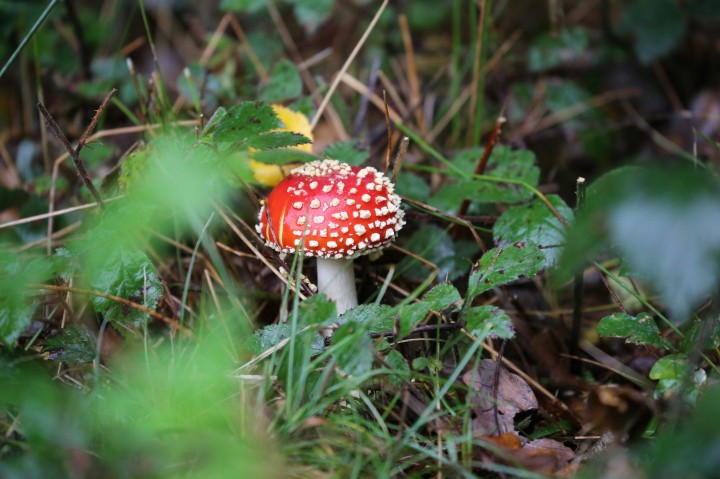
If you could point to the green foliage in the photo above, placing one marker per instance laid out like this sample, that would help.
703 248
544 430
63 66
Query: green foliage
353 349
126 274
662 222
676 377
640 329
504 163
74 345
285 83
442 296
250 6
411 316
657 25
488 321
16 304
162 415
535 222
435 245
554 49
500 266
376 318
348 151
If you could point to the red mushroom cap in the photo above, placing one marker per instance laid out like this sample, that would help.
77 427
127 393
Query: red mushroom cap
336 210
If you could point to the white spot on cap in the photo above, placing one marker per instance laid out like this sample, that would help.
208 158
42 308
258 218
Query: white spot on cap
365 198
389 233
335 202
315 203
370 186
365 214
349 201
313 243
332 244
380 199
340 216
318 219
375 237
298 205
350 241
301 220
327 188
359 229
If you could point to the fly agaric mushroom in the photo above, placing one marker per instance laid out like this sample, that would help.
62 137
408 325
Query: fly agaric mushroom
336 212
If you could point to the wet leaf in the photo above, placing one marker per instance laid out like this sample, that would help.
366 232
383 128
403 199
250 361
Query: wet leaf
282 156
535 223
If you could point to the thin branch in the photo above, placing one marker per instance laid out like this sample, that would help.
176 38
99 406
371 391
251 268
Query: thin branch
65 289
75 152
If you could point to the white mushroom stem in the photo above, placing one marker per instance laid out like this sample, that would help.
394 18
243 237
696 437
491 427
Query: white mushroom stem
336 278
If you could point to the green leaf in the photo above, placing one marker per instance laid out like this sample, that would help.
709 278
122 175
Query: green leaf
16 305
267 337
400 367
348 151
488 321
410 316
665 225
75 344
249 6
285 83
672 366
311 13
353 348
640 329
282 156
504 163
504 265
435 245
535 223
246 121
670 372
317 309
130 275
442 297
277 139
554 49
657 25
377 318
412 186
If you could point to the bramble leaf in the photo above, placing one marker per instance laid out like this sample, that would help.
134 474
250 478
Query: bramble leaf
640 329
